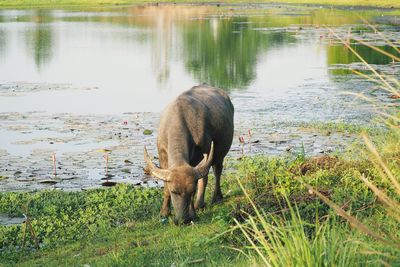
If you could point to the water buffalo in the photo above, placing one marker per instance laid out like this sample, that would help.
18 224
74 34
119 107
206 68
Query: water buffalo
198 122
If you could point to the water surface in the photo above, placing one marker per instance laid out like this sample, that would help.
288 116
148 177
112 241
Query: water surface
139 58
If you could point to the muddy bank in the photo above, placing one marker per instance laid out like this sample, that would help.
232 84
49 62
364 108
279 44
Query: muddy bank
82 144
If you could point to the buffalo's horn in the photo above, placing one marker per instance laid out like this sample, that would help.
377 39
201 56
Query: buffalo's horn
203 167
154 170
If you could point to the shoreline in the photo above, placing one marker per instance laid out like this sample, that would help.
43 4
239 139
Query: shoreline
79 148
48 4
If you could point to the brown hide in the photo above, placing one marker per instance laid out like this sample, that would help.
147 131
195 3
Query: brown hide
195 120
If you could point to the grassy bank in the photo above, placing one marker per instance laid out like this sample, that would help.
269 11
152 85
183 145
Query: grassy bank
61 3
119 226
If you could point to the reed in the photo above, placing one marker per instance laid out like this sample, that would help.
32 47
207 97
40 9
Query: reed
286 240
386 165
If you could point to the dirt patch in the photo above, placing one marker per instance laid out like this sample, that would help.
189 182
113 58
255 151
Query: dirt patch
313 164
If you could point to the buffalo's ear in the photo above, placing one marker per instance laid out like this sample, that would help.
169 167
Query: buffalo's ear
201 170
154 170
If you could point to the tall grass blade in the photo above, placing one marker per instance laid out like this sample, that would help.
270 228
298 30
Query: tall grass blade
351 219
382 164
388 87
390 203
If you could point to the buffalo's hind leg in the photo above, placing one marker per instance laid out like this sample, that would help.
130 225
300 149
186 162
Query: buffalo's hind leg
217 195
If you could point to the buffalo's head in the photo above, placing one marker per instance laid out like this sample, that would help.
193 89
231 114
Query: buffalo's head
181 182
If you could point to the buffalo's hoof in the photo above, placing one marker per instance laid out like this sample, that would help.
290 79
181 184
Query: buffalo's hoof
186 221
217 199
199 206
165 213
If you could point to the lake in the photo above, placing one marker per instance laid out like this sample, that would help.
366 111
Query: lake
79 84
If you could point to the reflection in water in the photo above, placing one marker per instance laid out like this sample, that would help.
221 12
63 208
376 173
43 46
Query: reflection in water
342 55
224 53
3 38
161 47
39 39
165 23
3 43
149 54
39 42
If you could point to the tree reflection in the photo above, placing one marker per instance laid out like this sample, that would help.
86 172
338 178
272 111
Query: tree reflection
339 54
224 52
3 44
3 38
39 39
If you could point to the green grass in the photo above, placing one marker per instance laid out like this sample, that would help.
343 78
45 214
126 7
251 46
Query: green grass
292 242
318 238
61 3
147 243
120 226
343 127
115 226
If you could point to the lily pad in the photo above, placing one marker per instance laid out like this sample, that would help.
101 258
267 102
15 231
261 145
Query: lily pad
147 132
48 182
108 183
126 170
25 179
69 178
103 150
108 176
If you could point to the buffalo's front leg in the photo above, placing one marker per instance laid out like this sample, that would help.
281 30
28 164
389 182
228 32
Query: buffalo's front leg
201 190
166 206
192 211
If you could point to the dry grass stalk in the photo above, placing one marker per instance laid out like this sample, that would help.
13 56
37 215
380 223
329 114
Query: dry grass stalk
354 222
395 58
28 224
366 22
392 204
382 164
386 85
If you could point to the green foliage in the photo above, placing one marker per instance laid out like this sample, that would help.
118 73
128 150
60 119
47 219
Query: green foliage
59 217
268 178
291 241
343 127
109 227
309 233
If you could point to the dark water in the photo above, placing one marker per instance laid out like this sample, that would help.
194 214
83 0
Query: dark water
73 82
